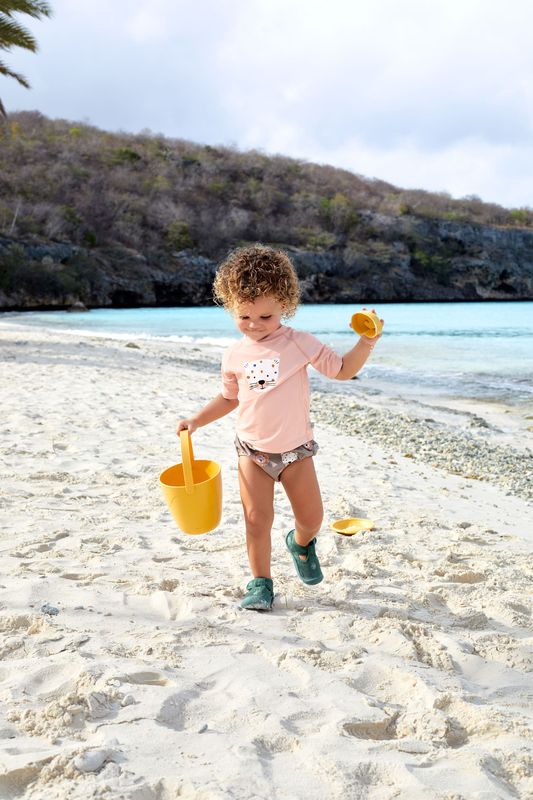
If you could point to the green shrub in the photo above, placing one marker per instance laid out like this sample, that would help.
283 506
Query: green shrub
339 213
455 216
294 169
71 215
217 187
12 259
27 224
18 273
315 240
159 183
46 278
254 185
178 236
434 266
80 173
89 238
124 155
521 216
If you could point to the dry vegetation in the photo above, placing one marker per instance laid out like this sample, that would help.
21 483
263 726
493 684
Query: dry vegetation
72 182
115 194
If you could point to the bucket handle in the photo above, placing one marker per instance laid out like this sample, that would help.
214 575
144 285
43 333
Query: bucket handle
187 457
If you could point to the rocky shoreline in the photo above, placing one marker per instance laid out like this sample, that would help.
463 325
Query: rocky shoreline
394 259
458 452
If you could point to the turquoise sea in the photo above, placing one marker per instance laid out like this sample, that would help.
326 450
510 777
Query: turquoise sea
472 350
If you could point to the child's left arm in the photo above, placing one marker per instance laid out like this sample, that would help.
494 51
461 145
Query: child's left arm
355 358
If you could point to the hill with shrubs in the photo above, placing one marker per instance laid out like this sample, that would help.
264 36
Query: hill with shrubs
113 219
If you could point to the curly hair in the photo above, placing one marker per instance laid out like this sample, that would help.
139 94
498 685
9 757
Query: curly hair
256 271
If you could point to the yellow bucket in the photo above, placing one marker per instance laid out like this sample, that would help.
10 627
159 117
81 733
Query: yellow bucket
193 491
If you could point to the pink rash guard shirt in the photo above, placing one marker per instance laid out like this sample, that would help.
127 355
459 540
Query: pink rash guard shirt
269 378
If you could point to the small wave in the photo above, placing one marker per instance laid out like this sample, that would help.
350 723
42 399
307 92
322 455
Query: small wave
466 333
207 340
124 336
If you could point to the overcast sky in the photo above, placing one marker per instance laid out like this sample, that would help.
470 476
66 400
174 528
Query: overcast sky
432 94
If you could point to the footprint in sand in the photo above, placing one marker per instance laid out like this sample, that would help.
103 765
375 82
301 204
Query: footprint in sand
301 723
174 711
14 782
322 658
145 677
428 650
268 746
431 725
67 711
379 729
20 635
466 576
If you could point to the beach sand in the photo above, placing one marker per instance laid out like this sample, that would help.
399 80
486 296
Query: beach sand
127 669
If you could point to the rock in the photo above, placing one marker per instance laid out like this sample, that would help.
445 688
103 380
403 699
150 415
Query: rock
128 700
78 306
99 704
92 760
389 258
46 608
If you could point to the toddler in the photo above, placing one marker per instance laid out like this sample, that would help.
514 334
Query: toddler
264 374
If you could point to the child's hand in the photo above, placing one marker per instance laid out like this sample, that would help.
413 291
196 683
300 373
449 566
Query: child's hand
373 339
186 424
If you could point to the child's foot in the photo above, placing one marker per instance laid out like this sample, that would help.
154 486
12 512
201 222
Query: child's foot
260 595
308 567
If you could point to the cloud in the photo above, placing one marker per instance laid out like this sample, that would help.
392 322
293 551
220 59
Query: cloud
435 95
466 167
421 71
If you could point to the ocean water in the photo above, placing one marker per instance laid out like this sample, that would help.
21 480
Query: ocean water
471 350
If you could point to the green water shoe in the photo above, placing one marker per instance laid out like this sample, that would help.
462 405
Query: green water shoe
260 595
309 568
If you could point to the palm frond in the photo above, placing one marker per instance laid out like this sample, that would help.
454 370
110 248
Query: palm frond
34 8
5 70
14 35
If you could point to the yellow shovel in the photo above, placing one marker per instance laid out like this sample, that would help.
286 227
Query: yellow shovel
351 525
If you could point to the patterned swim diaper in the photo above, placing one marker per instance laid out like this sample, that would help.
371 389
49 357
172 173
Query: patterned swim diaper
274 463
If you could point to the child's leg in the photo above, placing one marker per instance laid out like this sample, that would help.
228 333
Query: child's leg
257 495
301 485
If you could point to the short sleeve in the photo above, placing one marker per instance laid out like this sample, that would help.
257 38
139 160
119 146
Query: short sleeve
230 386
320 356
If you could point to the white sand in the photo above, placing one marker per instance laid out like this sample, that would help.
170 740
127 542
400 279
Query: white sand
406 674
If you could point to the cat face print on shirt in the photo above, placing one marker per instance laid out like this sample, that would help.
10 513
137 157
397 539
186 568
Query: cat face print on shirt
262 373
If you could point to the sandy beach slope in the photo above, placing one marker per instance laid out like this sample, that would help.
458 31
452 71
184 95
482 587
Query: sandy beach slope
406 674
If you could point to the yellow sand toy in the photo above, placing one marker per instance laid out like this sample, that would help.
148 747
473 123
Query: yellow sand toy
193 491
351 525
366 323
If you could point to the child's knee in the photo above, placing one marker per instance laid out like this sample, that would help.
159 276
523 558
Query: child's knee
311 521
258 521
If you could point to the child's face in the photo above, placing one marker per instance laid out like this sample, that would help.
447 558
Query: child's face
258 318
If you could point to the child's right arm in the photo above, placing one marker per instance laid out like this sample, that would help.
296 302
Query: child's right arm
216 408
